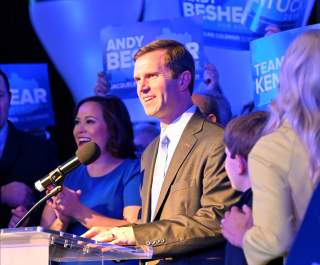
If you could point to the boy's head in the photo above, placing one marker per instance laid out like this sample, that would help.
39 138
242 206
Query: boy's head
240 136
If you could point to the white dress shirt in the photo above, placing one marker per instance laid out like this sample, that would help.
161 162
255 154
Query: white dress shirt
173 131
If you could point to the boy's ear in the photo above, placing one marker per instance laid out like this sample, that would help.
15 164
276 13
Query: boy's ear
242 164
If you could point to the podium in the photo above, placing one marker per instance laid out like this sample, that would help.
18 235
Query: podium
39 246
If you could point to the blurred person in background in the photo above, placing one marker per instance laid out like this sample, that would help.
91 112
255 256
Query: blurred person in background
144 134
24 159
211 98
215 108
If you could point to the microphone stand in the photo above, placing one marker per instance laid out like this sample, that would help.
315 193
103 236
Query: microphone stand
52 193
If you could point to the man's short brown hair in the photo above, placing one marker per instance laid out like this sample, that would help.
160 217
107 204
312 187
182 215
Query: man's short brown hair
242 133
178 59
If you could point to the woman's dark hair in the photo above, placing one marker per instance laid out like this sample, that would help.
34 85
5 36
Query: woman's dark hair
115 114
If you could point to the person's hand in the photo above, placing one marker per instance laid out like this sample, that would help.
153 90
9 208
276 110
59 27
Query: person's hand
67 203
115 235
271 29
102 86
59 215
17 194
235 224
92 232
17 214
211 78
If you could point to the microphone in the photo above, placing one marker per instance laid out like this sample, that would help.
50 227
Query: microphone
86 154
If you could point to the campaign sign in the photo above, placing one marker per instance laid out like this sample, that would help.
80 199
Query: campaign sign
285 14
121 43
222 22
234 23
266 58
31 104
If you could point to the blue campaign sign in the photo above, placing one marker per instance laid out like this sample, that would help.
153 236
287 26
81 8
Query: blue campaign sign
266 57
285 15
234 23
121 43
222 22
31 104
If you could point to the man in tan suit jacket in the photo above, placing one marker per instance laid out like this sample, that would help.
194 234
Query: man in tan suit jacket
182 224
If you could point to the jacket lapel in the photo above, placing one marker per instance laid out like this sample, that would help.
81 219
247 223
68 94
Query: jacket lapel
184 147
149 160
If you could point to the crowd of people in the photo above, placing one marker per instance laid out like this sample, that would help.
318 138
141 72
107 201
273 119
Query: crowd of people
197 194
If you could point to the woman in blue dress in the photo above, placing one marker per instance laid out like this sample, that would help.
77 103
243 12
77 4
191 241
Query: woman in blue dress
106 192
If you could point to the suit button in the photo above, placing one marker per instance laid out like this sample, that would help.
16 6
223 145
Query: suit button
154 243
158 241
163 240
148 243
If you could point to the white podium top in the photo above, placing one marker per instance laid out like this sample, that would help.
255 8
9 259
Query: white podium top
68 247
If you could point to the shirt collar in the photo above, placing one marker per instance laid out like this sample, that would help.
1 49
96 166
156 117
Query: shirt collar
175 129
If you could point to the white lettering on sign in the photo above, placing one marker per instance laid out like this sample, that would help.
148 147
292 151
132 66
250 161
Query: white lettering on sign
267 74
214 13
120 51
28 96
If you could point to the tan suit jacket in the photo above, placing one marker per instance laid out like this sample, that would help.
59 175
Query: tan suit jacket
282 187
193 197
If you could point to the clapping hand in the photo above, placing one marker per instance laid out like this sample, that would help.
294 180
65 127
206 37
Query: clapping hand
235 224
67 202
17 214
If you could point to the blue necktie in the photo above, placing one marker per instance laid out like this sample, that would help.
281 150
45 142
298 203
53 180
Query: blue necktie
159 172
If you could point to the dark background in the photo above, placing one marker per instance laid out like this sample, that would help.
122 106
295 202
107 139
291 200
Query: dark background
19 44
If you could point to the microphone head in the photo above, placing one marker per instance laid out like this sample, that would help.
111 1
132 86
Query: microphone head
88 153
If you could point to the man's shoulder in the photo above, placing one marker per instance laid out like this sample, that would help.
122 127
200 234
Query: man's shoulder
213 127
206 130
30 139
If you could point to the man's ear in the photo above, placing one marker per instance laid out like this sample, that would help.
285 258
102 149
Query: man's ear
212 118
242 165
184 80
